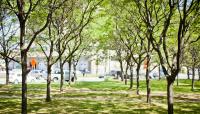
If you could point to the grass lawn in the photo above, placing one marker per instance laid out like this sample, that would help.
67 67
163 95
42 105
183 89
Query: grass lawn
108 97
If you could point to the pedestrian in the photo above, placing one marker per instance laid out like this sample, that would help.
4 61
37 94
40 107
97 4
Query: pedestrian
84 72
33 64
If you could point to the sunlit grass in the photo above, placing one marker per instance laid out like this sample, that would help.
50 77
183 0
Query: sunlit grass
156 85
108 97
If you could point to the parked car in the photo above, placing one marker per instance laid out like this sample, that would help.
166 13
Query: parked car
66 75
36 73
16 77
114 72
155 75
56 75
101 76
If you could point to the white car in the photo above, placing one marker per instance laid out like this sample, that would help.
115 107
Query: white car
55 76
155 75
36 73
16 78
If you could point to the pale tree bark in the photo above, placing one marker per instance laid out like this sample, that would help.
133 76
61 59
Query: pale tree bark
199 73
74 69
127 60
131 76
126 72
170 94
188 73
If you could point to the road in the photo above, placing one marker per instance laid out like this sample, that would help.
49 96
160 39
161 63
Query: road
94 79
83 79
90 79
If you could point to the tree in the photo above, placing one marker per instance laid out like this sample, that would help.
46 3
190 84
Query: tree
8 43
134 44
78 17
154 18
47 45
77 55
119 48
65 25
24 12
136 51
194 61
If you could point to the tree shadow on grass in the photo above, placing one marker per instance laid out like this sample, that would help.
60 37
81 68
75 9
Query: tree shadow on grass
196 90
187 108
76 106
92 107
182 105
10 106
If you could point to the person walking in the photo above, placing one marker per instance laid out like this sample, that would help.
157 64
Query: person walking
84 72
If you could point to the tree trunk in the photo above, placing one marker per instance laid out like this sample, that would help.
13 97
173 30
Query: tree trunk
148 81
62 75
70 65
137 76
126 74
170 94
48 93
193 76
7 70
23 53
159 72
74 68
199 73
24 83
131 77
121 73
188 72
